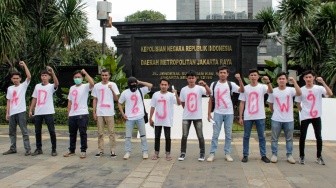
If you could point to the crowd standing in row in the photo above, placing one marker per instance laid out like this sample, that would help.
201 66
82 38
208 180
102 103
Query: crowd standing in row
105 93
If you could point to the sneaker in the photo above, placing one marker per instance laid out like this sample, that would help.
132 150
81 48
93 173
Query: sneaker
37 152
182 157
69 154
265 159
291 159
100 154
82 155
228 158
211 158
127 156
53 153
202 157
113 155
9 152
320 161
302 160
274 159
28 152
145 155
245 159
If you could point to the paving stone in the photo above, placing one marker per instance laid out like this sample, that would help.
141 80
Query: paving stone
152 184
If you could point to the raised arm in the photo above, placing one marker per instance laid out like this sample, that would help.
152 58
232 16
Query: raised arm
205 85
89 79
241 84
329 92
268 83
23 64
149 85
296 86
52 72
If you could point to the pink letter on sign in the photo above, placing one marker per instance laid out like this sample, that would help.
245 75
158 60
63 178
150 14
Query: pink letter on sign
311 97
102 99
253 102
41 97
283 106
220 98
15 98
192 102
164 109
135 109
75 94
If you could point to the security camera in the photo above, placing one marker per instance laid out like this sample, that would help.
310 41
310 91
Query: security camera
272 34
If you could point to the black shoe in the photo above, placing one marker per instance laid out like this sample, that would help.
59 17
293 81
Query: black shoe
53 153
37 152
302 160
10 151
99 154
265 159
28 152
320 161
113 154
245 159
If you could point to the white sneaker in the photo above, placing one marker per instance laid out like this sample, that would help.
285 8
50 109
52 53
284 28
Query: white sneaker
211 158
127 156
228 158
274 159
291 159
145 155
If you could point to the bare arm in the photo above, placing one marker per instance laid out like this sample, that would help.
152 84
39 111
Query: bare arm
298 104
241 84
7 109
271 107
88 78
32 106
268 83
241 109
69 107
329 92
209 108
178 100
151 112
56 83
149 85
182 103
122 111
296 86
23 64
205 85
94 110
115 96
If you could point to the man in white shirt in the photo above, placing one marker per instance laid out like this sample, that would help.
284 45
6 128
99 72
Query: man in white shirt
16 109
43 103
104 94
281 104
223 110
310 106
78 113
134 113
191 98
253 101
163 104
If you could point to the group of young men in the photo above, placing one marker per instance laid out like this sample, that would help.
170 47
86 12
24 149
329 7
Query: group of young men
105 93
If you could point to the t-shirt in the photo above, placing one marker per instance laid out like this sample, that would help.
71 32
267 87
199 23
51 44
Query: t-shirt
311 101
282 104
44 99
78 95
17 97
164 108
223 102
104 95
254 101
134 108
192 98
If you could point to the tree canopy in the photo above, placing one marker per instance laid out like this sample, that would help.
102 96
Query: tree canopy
145 15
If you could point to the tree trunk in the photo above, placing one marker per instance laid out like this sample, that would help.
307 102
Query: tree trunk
313 36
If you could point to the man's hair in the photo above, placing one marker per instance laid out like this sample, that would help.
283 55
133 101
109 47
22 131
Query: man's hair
163 79
105 70
253 71
191 73
281 74
223 68
15 73
78 72
45 71
308 72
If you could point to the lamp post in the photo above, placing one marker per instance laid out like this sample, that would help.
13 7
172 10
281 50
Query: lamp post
103 10
284 47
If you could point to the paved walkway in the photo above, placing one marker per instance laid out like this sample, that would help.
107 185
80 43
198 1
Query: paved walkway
18 170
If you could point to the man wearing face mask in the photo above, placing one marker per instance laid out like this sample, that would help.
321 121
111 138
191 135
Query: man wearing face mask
134 113
78 113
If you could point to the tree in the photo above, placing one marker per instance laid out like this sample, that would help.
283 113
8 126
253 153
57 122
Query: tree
145 15
271 20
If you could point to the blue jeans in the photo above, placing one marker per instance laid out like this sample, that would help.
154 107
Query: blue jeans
142 130
14 120
78 123
228 121
260 125
288 128
185 132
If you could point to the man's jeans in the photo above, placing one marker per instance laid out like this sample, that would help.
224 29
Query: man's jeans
49 120
76 123
288 128
228 121
14 120
157 131
142 130
185 132
260 125
316 122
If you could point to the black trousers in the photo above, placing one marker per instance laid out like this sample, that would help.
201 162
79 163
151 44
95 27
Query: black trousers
158 130
316 122
78 123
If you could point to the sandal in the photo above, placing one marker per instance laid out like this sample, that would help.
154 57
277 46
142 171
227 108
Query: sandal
155 157
169 158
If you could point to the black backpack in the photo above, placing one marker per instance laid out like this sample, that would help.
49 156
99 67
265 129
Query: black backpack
213 94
